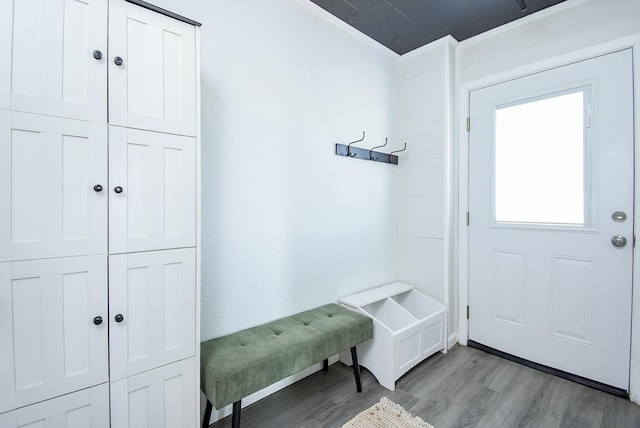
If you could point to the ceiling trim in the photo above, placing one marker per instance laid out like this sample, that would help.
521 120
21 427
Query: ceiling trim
317 10
446 40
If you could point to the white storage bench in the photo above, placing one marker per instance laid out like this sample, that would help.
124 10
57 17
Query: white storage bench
408 326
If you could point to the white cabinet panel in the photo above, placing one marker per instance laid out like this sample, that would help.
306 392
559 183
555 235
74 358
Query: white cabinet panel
6 26
54 71
7 398
156 207
155 86
52 165
53 342
88 408
5 185
155 294
160 398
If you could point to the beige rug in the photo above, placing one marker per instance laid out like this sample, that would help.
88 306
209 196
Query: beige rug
386 414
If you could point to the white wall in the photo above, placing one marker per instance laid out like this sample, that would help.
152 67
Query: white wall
566 27
426 111
286 224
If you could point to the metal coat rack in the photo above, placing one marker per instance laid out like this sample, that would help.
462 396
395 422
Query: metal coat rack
369 154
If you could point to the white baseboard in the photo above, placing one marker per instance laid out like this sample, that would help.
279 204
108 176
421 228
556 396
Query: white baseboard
452 340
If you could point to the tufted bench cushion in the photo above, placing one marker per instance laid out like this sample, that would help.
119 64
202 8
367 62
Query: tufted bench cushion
244 362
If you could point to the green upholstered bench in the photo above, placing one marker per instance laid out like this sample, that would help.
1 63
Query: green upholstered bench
234 366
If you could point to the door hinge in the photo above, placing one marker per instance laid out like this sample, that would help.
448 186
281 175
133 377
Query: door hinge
467 218
468 124
467 311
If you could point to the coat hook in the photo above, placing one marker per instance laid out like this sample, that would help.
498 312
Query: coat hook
397 151
386 140
349 146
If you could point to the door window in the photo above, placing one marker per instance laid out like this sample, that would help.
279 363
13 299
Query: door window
540 161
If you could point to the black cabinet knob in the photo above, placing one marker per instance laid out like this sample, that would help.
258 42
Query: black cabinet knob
119 318
97 54
97 320
118 61
97 188
118 189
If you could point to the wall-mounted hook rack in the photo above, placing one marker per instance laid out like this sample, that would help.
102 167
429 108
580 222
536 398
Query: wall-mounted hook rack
397 151
349 146
368 154
375 158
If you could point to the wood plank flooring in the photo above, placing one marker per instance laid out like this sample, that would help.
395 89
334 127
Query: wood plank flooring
464 388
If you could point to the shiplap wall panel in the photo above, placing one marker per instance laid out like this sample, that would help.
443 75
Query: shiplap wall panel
424 86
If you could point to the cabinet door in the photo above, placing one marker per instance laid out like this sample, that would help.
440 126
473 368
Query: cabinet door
154 293
7 396
154 87
54 71
51 168
6 25
155 175
160 398
5 185
88 408
53 342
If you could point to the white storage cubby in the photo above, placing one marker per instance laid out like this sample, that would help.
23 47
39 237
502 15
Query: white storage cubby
408 326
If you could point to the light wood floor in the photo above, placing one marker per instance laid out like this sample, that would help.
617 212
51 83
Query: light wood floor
464 388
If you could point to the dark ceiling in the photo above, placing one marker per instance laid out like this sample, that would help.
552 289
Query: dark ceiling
404 25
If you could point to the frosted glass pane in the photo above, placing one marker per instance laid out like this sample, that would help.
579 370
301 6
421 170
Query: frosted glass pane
539 161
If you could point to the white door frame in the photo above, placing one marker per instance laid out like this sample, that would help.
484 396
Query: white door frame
463 180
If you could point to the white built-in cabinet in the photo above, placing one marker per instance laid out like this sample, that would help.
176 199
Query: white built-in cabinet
99 223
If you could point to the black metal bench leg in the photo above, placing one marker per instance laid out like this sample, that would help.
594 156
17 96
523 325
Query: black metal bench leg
207 414
356 368
325 367
235 419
